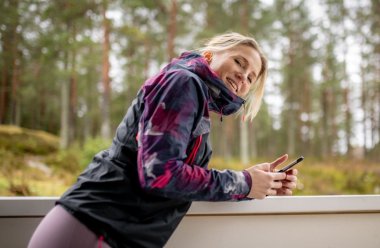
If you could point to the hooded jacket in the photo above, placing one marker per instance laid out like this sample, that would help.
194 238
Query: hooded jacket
135 193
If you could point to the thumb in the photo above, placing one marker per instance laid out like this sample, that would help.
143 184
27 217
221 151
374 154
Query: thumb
278 161
263 167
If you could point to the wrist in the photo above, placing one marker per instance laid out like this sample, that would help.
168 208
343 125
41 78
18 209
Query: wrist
248 180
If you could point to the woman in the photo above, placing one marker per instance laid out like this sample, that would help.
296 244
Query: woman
135 193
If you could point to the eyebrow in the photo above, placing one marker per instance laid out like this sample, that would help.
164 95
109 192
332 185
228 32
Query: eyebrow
246 61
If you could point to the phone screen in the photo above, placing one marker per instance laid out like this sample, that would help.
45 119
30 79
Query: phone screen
289 166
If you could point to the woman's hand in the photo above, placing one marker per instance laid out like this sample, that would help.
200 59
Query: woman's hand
289 183
265 181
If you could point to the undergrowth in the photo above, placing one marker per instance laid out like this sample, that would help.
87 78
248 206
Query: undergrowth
32 164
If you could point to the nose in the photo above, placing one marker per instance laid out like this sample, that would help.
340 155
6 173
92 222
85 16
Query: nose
242 78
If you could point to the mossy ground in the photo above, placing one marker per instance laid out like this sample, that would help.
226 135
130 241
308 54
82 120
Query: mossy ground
31 163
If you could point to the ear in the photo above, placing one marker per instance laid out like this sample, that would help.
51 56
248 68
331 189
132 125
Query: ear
208 56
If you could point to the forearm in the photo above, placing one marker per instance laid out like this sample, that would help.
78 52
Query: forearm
182 181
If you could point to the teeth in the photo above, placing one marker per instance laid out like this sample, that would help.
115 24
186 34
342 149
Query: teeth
232 84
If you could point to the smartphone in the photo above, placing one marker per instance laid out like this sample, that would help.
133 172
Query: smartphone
289 166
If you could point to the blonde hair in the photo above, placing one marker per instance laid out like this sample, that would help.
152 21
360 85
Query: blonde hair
230 40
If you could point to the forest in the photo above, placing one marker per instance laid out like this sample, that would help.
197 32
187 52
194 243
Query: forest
70 69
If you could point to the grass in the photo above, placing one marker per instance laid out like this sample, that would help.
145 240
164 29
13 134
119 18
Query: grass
314 179
332 177
32 164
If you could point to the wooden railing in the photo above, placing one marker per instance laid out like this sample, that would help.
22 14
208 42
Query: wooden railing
297 222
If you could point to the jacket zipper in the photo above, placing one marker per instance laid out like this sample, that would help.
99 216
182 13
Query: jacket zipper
190 159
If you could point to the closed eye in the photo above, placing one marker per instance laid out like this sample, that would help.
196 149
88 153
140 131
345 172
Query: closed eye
243 63
238 62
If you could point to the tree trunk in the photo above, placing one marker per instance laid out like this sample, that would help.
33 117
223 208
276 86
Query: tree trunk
325 126
146 58
373 127
291 117
244 156
348 119
65 108
3 88
244 137
87 118
172 29
9 53
15 109
105 105
73 95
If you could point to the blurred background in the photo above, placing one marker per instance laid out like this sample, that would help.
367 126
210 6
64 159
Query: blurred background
70 69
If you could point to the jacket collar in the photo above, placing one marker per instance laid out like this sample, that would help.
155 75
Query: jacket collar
222 100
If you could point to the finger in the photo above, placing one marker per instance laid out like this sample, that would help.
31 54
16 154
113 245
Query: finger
291 178
288 192
271 192
289 185
284 192
262 167
293 172
279 176
276 185
281 191
278 161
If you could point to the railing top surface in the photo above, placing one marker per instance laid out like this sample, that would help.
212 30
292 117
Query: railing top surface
39 206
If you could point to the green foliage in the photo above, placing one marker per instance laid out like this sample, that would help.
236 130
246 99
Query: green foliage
67 160
19 141
74 159
332 177
12 168
47 44
18 146
18 177
90 148
342 177
374 153
32 164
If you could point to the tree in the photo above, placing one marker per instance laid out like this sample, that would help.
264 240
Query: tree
297 80
106 96
10 61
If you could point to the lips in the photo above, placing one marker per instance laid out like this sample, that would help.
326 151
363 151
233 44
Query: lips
232 84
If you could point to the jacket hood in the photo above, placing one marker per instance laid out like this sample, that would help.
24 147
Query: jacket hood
222 100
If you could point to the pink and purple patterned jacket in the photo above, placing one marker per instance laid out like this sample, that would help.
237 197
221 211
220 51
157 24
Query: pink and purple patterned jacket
136 192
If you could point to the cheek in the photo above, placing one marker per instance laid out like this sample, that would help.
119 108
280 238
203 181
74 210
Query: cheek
219 69
216 68
244 90
219 66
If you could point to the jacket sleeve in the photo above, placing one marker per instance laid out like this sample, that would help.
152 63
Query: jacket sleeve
164 134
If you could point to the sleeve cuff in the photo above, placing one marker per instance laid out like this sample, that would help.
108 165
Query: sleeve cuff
248 180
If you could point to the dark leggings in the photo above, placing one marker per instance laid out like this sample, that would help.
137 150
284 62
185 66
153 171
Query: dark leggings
59 229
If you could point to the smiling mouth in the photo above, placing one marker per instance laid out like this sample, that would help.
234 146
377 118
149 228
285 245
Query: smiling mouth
233 84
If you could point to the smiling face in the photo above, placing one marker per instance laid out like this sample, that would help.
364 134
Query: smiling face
237 67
